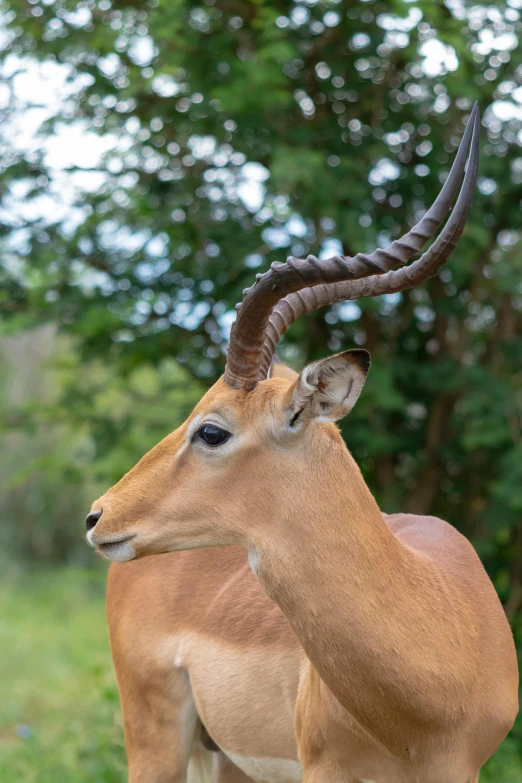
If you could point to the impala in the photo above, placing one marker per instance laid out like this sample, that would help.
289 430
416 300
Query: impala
303 635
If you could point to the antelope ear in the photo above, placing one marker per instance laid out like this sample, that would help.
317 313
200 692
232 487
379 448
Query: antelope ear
328 389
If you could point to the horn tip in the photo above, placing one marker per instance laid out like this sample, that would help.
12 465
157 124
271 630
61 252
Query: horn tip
475 113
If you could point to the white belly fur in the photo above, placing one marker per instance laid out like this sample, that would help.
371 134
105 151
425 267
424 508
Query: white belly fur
268 770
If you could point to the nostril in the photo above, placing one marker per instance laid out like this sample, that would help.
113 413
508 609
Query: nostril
92 518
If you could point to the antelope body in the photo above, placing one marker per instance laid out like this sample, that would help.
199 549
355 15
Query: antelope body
304 635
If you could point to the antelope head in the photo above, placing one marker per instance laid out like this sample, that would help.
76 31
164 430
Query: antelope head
256 438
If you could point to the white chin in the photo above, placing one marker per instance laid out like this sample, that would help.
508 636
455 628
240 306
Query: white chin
119 552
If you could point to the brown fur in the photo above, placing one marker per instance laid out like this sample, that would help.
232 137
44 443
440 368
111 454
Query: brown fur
386 645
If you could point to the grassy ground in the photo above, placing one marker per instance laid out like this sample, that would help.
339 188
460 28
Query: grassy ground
59 715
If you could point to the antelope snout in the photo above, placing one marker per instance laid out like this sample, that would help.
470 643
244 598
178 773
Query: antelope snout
92 518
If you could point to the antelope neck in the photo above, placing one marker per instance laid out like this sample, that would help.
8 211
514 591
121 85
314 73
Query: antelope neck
357 599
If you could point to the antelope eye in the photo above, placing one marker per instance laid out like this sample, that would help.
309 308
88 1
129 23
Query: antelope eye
213 435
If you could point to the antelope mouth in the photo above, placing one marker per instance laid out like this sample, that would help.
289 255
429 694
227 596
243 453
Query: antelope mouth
119 550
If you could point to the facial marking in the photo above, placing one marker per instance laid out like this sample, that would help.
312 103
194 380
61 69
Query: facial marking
253 559
191 431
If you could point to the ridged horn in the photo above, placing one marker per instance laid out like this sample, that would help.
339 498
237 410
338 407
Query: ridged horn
291 289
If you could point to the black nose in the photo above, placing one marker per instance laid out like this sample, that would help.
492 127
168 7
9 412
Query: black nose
92 518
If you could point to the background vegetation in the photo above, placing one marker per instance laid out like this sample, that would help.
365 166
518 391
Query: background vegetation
185 145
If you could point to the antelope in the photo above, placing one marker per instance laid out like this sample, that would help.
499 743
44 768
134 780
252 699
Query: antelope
285 628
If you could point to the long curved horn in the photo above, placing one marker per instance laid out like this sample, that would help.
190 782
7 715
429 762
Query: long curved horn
257 329
299 303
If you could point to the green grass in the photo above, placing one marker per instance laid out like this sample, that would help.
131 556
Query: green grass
60 720
59 713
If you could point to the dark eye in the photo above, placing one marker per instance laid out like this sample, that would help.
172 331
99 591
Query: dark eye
213 435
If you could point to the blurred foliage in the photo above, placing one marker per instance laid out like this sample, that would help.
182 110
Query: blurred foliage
238 133
55 458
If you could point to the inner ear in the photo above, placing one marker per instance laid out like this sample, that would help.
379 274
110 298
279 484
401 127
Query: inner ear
328 389
293 420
